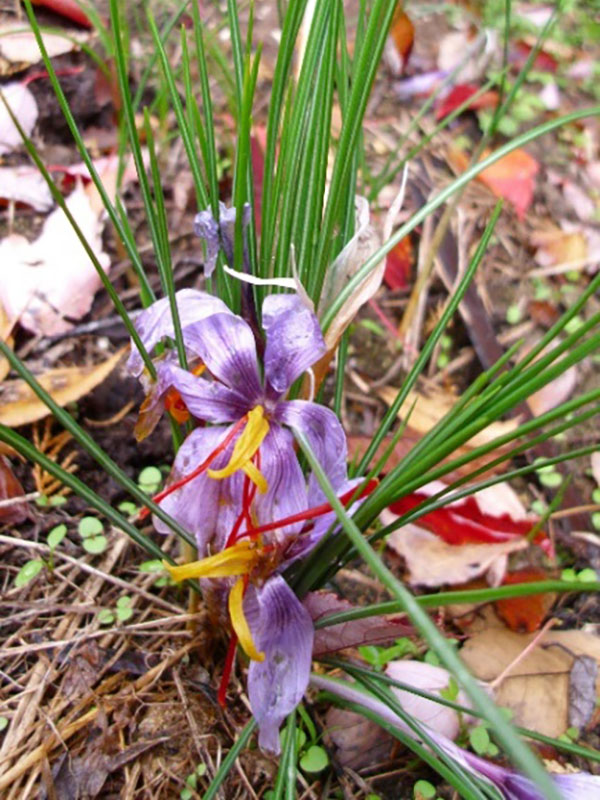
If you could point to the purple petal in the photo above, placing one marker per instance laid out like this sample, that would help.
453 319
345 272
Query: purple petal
207 400
207 228
283 630
227 228
226 345
294 340
287 486
206 507
156 321
325 436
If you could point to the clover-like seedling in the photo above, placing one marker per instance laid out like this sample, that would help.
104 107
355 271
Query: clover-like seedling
191 782
124 611
155 567
105 616
481 743
127 507
91 531
3 723
150 480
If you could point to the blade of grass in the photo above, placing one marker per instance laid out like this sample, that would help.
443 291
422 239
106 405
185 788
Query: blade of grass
230 759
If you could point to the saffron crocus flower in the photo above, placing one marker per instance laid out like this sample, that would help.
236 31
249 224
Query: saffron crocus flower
239 487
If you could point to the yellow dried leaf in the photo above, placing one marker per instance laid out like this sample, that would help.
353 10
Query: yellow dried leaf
19 405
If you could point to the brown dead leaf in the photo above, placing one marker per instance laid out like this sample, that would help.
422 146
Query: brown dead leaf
19 47
537 689
371 630
359 742
19 405
429 410
432 562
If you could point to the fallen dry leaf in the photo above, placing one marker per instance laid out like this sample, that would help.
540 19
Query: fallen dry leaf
371 630
434 680
358 250
70 9
24 184
5 331
460 94
23 105
19 405
9 488
400 42
525 614
554 393
358 741
433 562
430 409
399 265
512 177
559 246
537 688
39 286
18 44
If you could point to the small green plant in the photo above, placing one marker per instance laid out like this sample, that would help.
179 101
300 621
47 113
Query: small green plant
150 480
91 531
155 567
378 657
587 575
423 790
56 500
31 569
571 735
121 613
191 782
480 741
3 723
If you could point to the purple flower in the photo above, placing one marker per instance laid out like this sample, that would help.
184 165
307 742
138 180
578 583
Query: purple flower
239 487
512 785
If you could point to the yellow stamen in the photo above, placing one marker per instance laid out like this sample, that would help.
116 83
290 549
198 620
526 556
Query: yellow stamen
245 449
240 623
239 559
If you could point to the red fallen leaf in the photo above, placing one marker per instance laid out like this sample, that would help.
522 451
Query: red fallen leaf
470 520
512 177
543 61
462 92
66 8
10 487
525 614
370 630
398 266
402 32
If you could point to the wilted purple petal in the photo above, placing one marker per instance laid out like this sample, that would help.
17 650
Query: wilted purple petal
226 345
207 400
204 506
207 228
287 486
227 228
294 340
283 630
326 437
156 322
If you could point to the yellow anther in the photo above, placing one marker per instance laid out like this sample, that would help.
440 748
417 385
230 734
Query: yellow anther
245 449
240 623
239 559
